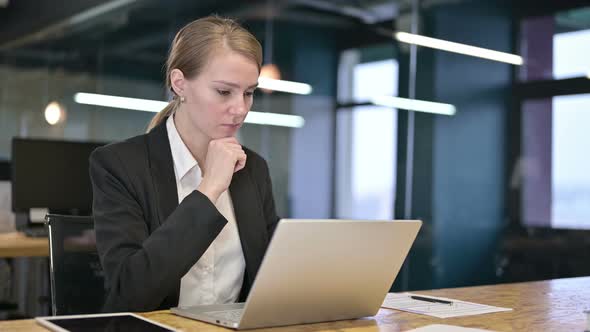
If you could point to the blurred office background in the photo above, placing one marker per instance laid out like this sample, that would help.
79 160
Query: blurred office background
501 181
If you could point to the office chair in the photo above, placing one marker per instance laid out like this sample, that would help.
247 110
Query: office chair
77 278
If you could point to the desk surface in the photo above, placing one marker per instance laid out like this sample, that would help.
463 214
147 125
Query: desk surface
555 305
18 245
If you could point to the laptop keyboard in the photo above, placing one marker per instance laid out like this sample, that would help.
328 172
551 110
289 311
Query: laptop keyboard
229 315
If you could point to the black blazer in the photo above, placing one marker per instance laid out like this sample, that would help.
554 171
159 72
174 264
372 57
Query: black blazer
147 241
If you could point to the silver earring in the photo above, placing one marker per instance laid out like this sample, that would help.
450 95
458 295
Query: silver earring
182 99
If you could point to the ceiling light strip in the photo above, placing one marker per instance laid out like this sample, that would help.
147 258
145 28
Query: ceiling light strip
458 48
284 86
146 105
415 105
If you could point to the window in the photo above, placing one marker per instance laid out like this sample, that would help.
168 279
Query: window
570 54
555 162
366 141
556 46
571 162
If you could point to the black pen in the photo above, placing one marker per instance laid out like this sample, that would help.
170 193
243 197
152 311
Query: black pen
429 299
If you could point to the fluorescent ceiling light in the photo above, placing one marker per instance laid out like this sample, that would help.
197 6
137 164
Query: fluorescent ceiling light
275 119
284 86
146 105
136 104
458 48
414 105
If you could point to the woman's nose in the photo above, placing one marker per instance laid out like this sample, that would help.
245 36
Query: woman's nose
240 107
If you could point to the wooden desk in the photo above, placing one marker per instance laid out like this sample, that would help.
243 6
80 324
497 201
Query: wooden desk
555 305
16 244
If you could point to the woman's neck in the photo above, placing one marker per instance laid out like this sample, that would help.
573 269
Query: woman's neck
195 141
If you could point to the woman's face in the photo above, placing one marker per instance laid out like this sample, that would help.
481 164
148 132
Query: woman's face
219 98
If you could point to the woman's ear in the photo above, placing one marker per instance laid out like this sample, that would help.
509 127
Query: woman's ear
177 81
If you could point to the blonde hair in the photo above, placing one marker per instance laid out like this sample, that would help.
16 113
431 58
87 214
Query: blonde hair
193 46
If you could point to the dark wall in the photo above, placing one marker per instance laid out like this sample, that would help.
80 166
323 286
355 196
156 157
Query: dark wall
418 272
459 176
315 60
470 148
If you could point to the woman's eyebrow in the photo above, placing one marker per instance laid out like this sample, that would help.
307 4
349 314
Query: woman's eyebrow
235 85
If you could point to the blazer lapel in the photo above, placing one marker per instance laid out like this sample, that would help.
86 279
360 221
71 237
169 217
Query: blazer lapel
251 223
162 171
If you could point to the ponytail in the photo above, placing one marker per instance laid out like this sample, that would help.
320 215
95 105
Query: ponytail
163 114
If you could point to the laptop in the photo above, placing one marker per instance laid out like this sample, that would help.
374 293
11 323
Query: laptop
318 271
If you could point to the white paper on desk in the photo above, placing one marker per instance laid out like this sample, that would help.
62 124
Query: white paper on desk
402 301
446 328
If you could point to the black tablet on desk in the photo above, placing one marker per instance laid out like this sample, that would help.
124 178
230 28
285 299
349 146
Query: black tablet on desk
114 322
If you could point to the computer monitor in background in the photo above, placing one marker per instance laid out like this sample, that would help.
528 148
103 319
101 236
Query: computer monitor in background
50 176
5 172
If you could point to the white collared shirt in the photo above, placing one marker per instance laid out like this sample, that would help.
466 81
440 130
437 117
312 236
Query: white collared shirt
218 275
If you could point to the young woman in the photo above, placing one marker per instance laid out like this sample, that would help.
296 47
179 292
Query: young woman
184 214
